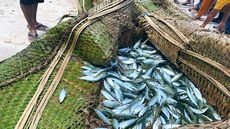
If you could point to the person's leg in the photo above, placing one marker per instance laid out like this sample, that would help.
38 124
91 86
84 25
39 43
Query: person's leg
38 25
34 12
219 18
223 24
27 11
205 6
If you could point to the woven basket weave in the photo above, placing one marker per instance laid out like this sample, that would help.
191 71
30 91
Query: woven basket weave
169 49
217 97
213 46
211 77
213 125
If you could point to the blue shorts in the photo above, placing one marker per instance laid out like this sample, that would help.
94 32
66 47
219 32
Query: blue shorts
198 5
30 2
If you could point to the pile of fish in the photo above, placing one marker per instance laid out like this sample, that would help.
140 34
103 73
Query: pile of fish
141 89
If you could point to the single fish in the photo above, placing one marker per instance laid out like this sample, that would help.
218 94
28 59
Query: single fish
138 109
157 124
102 117
107 95
199 111
170 126
127 123
142 112
168 71
176 78
110 103
153 100
191 97
62 95
93 78
115 124
137 44
107 86
124 50
119 94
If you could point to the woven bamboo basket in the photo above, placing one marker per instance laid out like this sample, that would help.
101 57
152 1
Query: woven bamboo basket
213 90
210 76
170 47
213 125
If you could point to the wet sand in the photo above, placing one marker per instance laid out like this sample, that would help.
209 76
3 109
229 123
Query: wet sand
13 30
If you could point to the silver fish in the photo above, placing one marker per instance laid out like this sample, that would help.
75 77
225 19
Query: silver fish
138 109
199 111
127 123
177 77
110 103
143 110
137 44
107 95
168 71
93 78
154 100
62 95
157 124
115 124
124 50
198 94
107 86
170 126
191 97
119 94
102 117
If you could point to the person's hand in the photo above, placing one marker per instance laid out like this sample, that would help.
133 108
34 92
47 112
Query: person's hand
221 27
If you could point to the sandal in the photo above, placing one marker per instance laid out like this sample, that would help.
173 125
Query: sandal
32 37
41 27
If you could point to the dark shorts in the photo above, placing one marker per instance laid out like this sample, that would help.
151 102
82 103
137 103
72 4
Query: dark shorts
30 2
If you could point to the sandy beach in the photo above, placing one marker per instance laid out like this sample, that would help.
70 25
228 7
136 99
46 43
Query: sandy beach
13 30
